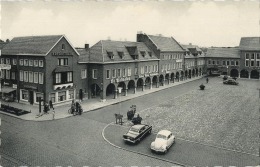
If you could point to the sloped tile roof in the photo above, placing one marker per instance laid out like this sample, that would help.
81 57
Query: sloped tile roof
249 43
31 45
221 52
101 50
167 44
193 49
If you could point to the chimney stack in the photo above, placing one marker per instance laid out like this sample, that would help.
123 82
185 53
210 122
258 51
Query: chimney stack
86 46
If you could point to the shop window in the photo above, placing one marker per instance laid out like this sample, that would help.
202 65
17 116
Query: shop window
71 94
24 95
62 96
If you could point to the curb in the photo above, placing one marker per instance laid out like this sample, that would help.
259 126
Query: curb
151 156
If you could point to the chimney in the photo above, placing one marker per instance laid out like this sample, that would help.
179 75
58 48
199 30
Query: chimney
86 46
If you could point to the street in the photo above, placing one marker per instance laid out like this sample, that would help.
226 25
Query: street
78 141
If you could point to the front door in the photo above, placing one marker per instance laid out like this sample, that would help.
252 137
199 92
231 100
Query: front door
31 97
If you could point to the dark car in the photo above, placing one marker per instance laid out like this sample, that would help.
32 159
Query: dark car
137 132
230 82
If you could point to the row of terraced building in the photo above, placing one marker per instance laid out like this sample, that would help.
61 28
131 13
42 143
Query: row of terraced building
50 68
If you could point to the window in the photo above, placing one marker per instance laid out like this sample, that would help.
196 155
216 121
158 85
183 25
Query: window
25 63
121 54
63 62
169 66
146 69
7 61
247 56
52 96
69 77
108 74
110 55
124 72
14 61
21 62
209 62
213 62
150 54
30 62
129 72
232 63
94 73
224 63
25 76
247 63
258 63
252 56
118 72
13 76
228 63
2 61
24 94
236 63
35 77
63 46
83 73
113 73
40 63
58 78
31 76
142 53
257 56
217 62
40 78
142 70
7 75
21 75
62 96
252 63
157 68
35 63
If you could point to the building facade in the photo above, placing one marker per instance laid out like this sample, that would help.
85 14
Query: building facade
42 67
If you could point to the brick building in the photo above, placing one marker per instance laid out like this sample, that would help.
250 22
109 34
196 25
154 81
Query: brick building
170 53
43 67
116 67
223 61
249 57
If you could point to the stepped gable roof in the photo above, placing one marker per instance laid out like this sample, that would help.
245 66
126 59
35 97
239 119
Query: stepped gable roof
103 50
166 44
223 52
249 43
32 45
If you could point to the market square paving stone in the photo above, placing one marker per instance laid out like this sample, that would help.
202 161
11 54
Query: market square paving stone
224 116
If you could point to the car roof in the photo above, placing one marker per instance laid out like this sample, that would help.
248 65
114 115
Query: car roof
164 132
139 126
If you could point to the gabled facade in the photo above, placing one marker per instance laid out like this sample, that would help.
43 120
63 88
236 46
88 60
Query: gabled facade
42 67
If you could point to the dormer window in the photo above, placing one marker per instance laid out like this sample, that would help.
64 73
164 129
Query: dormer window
63 46
121 54
143 53
110 55
150 54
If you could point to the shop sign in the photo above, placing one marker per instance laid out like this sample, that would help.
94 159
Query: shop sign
30 87
60 54
119 80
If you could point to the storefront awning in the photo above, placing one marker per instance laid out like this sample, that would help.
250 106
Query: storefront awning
7 89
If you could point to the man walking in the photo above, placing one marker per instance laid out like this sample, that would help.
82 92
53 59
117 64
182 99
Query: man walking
207 79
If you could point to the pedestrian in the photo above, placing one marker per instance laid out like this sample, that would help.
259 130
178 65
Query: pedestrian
50 104
207 79
53 114
46 108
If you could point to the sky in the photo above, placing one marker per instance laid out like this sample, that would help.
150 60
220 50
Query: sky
204 23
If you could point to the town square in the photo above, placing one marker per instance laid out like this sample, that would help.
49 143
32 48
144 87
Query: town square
130 83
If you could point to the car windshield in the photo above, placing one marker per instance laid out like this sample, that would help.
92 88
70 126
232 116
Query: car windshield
161 136
134 130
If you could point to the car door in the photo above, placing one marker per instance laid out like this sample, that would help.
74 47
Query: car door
170 139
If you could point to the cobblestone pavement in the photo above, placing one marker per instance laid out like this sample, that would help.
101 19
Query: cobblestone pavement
182 152
222 115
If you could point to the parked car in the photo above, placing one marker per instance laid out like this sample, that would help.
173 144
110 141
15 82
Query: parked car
163 141
137 132
137 119
225 77
230 82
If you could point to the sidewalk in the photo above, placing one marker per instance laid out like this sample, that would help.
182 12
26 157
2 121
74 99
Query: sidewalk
87 105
